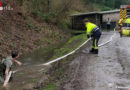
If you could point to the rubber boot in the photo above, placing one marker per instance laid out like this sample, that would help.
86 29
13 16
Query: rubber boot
121 34
96 51
92 50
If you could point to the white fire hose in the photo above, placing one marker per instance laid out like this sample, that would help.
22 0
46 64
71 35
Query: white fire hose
55 60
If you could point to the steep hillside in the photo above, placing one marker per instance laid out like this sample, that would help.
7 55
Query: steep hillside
22 31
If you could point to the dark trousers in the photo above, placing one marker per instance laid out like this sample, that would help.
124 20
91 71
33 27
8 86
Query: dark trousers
95 43
96 36
2 72
108 27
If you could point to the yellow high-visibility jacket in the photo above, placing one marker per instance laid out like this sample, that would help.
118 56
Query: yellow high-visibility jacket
121 22
90 26
127 20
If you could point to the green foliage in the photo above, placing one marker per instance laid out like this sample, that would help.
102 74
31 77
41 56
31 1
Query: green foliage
13 45
21 73
38 42
37 5
64 24
62 51
7 36
54 34
49 41
108 4
33 80
104 8
50 11
57 11
72 44
77 32
32 25
50 87
59 70
57 73
43 16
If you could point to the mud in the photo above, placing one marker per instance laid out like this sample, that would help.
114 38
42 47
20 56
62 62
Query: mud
110 70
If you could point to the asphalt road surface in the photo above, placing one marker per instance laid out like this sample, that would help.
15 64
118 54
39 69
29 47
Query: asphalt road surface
109 70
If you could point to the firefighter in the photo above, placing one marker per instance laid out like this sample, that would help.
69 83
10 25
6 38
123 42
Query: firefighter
123 23
127 20
94 32
126 32
120 23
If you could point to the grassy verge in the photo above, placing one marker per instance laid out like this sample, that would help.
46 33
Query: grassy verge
72 44
50 87
57 72
77 32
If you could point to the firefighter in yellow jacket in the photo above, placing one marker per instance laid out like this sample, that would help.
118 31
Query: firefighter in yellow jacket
94 32
124 22
120 22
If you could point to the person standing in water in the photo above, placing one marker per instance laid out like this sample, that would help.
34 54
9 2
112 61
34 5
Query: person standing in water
6 66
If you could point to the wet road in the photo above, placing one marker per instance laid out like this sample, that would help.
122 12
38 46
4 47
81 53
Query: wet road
110 70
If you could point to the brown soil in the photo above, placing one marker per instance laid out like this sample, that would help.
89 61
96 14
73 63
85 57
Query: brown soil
24 32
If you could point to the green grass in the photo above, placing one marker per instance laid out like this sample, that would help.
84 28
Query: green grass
33 25
13 44
55 35
38 42
50 87
33 80
48 40
58 73
21 73
78 31
72 44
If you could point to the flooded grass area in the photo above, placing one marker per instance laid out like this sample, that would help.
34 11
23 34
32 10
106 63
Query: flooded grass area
30 76
58 69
